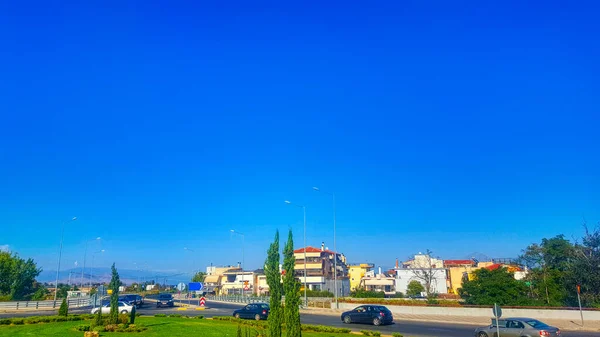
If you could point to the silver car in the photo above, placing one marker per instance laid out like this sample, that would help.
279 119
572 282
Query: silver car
518 327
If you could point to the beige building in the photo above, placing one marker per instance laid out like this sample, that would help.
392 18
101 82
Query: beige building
380 283
320 269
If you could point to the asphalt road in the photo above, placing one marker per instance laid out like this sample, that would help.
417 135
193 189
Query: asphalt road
407 328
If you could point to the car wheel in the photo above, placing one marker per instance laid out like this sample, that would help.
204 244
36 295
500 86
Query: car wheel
124 311
347 319
482 334
376 321
237 316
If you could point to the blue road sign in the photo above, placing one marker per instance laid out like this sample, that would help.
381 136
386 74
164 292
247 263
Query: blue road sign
196 286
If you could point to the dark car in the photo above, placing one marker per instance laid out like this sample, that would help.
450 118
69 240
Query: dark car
165 300
255 311
132 299
370 314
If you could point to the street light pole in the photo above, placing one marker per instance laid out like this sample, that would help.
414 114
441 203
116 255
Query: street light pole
92 267
62 232
305 283
334 246
84 257
243 239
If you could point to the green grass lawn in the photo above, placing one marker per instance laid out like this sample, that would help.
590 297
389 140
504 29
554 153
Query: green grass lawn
157 326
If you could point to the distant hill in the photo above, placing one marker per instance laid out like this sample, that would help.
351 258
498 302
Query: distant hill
104 274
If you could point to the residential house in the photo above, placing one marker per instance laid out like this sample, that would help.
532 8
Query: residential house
215 277
356 271
320 269
422 268
380 282
459 270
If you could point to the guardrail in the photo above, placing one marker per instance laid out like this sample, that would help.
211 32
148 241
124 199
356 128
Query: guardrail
239 299
44 305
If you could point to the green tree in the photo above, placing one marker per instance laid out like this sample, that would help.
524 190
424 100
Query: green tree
494 286
99 321
291 287
550 264
586 270
62 290
274 282
17 277
115 283
199 277
414 288
40 292
64 308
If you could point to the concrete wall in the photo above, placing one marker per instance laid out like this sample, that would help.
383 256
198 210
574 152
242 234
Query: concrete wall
540 314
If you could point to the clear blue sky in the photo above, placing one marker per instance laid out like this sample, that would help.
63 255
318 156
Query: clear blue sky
444 125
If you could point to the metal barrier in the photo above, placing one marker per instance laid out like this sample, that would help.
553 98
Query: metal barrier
44 305
239 298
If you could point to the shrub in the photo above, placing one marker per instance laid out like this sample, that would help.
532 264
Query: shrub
91 334
64 308
123 319
200 317
160 315
4 321
18 321
360 293
365 332
175 315
84 328
397 334
376 333
323 328
111 328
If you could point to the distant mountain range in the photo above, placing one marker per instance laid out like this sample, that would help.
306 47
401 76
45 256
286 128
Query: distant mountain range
103 275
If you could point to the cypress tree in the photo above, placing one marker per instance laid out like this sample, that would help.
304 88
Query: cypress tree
274 282
115 283
291 287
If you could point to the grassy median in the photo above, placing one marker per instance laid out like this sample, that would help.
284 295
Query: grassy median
156 326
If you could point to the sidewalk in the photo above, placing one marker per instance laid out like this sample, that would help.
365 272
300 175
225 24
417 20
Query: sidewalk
475 321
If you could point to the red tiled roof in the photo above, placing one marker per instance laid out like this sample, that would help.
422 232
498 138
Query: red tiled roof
499 265
458 262
310 249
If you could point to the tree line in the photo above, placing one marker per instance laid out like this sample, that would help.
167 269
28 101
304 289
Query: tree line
18 279
557 268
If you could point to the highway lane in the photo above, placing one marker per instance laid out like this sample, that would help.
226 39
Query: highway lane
407 328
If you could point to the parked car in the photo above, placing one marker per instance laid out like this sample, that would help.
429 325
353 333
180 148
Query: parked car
518 326
255 311
165 300
373 314
124 308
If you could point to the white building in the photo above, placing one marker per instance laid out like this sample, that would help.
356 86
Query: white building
405 276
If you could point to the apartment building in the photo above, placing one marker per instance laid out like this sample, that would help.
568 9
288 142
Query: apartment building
356 271
321 269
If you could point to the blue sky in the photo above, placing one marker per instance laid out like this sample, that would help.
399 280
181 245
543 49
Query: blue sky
454 127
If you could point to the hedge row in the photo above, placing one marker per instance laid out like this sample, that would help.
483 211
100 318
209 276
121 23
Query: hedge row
43 319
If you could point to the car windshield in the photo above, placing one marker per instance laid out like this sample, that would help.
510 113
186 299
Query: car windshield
264 306
537 324
165 297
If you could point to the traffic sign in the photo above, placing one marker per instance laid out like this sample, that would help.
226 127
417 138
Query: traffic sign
196 286
181 286
202 301
497 311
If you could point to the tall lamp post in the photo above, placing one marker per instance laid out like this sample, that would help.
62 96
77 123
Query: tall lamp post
305 283
84 257
92 267
243 239
193 271
334 247
62 232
